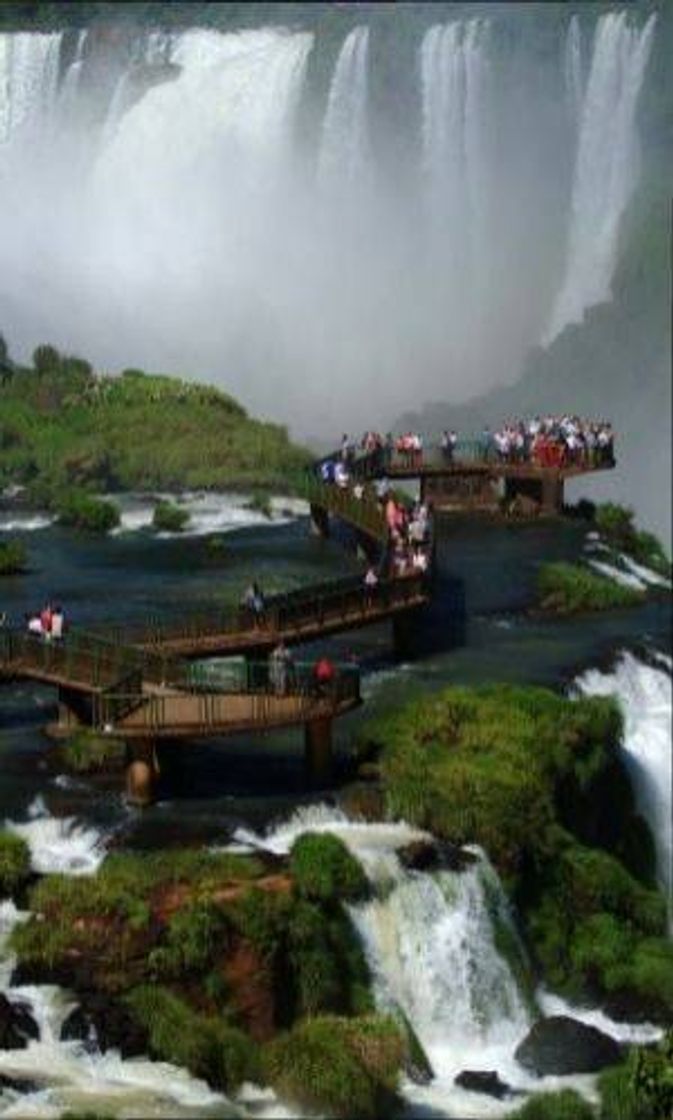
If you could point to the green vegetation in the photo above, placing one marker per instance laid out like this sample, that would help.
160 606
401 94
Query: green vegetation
169 518
615 524
14 862
566 1105
86 752
324 870
65 427
260 502
537 781
568 588
79 510
338 1067
642 1088
221 1054
12 558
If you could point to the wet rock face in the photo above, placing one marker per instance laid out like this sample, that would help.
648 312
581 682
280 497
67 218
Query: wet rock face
560 1045
483 1081
434 855
17 1025
104 1024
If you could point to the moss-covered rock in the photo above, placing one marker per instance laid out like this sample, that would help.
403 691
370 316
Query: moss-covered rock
324 870
87 752
641 1088
569 588
169 518
566 1105
14 862
206 1045
79 510
338 1067
13 558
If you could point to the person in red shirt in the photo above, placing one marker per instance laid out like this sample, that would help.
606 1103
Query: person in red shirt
324 673
45 622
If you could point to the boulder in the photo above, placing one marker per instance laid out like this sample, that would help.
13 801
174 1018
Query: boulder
17 1025
419 855
483 1081
105 1024
561 1045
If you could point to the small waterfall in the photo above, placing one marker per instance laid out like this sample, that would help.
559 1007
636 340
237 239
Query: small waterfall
59 844
644 695
606 165
344 151
28 79
67 97
572 69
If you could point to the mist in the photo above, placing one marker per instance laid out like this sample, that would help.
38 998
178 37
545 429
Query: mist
334 229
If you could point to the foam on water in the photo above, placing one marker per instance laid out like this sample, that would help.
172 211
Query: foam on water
59 844
624 579
208 512
24 522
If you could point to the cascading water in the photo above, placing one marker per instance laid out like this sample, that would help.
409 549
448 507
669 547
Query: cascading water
572 67
606 165
28 80
344 158
644 695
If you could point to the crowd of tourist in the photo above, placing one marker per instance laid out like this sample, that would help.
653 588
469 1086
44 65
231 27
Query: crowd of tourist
544 441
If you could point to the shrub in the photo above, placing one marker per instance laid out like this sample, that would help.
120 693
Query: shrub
12 558
566 1105
338 1067
169 518
324 869
567 588
260 502
14 862
642 1088
82 511
205 1045
46 360
194 932
615 523
86 752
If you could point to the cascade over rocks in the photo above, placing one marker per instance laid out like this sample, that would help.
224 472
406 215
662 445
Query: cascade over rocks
560 1045
431 854
17 1025
483 1081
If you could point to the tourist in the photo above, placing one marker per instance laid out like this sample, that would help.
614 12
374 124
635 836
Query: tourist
45 622
324 675
371 582
34 624
57 623
280 666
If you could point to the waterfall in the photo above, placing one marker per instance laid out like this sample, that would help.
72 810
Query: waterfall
59 844
455 107
344 151
644 695
606 165
28 80
572 69
67 97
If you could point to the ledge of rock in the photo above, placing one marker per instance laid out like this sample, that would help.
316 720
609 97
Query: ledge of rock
483 1081
17 1025
560 1045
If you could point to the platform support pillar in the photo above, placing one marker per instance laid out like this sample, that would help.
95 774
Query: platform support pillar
319 521
552 494
318 751
142 771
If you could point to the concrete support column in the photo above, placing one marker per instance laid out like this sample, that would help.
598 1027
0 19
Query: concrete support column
552 494
319 521
318 751
74 709
404 634
142 771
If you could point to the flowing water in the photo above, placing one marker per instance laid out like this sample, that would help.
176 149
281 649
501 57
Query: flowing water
431 939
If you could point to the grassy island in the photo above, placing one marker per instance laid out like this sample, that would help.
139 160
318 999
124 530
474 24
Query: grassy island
572 588
537 780
232 968
12 558
67 427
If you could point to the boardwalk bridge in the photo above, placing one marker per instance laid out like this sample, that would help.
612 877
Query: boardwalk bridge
143 682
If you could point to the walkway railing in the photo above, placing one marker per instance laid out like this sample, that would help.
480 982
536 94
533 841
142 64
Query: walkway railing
251 693
467 452
87 660
365 513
